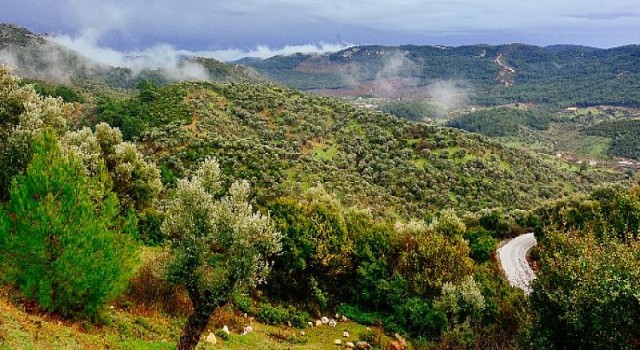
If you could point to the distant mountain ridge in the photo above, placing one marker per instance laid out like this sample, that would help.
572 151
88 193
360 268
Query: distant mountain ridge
564 75
36 57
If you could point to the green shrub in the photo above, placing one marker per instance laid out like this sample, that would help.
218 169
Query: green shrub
481 243
420 319
62 240
359 315
275 315
149 224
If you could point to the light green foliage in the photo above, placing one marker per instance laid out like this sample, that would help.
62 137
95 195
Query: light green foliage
225 239
62 244
462 302
220 246
136 181
429 258
586 294
448 224
23 114
608 211
285 142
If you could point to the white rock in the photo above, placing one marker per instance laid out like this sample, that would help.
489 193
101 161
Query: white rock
344 318
226 330
302 334
318 323
247 330
310 324
211 339
324 320
345 334
349 345
337 342
333 323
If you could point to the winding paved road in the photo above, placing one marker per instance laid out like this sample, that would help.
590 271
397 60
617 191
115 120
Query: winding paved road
513 258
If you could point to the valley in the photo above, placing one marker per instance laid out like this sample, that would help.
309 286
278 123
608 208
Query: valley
353 199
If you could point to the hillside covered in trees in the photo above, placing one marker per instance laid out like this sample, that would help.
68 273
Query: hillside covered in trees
251 215
558 75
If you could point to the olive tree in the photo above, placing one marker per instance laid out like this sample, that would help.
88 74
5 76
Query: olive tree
136 181
219 245
23 115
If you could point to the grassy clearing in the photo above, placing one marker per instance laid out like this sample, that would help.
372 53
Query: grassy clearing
141 330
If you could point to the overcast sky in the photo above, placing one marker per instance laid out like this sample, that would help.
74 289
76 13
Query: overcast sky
230 29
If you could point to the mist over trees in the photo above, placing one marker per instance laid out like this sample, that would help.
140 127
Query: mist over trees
207 201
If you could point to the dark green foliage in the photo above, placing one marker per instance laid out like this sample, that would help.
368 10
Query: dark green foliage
411 110
152 107
586 293
419 318
62 242
374 253
624 136
315 258
284 141
13 161
482 244
575 76
608 212
501 121
66 93
149 224
279 315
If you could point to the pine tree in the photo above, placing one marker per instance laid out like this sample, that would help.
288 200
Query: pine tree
61 244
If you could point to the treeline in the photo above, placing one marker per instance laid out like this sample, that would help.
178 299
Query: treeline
501 121
623 134
410 110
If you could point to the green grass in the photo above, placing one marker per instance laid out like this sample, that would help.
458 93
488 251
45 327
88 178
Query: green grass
146 330
325 152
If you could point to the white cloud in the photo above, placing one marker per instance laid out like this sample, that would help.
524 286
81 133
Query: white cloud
263 51
163 55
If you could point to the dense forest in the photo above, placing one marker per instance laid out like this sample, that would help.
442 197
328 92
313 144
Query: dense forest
176 215
555 75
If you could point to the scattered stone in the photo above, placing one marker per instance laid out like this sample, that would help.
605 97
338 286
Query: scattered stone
318 323
211 339
324 320
344 318
349 345
337 316
226 330
345 334
399 344
363 345
337 341
310 324
289 324
302 334
333 323
247 330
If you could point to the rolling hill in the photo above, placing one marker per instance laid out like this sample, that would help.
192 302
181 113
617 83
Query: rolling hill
37 57
563 75
285 141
